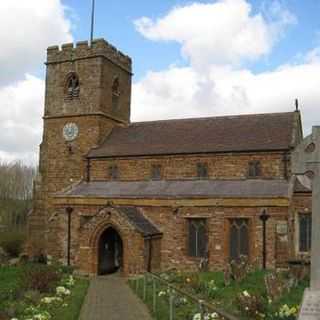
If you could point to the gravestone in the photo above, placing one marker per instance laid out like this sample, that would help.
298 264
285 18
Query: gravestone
306 162
275 285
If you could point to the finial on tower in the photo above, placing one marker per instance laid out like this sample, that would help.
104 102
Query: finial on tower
297 104
92 21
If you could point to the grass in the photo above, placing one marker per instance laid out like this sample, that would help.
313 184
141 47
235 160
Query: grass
224 297
13 297
72 311
162 310
9 280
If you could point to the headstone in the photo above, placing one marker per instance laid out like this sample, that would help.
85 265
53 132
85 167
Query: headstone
227 275
306 161
275 285
239 269
310 309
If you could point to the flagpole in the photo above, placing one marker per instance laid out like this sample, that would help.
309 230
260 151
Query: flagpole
92 21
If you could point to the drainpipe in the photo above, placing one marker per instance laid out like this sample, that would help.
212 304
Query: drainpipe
88 166
285 160
150 255
69 210
264 218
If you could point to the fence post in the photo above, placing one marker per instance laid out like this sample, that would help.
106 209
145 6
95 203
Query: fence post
154 295
201 311
144 287
136 284
171 300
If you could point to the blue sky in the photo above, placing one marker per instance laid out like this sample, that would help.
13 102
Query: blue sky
190 58
114 22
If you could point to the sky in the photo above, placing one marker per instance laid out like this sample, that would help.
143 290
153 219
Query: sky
190 58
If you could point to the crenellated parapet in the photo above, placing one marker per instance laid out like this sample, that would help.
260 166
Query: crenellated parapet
82 50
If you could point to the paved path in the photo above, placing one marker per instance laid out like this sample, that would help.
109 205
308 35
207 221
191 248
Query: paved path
109 298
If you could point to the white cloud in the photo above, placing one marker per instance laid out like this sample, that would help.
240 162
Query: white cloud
224 31
20 118
183 92
27 29
218 37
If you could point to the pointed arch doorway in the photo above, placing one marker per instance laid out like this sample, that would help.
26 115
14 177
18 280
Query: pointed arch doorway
110 252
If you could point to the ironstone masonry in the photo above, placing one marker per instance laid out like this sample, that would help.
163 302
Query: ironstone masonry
161 194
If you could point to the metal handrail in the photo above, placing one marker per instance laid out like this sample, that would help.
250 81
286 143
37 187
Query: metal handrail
201 302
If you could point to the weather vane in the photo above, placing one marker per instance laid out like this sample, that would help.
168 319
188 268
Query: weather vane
92 20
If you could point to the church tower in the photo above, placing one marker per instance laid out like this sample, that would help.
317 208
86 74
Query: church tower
88 91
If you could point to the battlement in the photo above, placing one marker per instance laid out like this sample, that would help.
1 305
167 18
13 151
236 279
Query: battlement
82 50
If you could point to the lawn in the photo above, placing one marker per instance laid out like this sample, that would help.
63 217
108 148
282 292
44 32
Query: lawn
26 291
245 299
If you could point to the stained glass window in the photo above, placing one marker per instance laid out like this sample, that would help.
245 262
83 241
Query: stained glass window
197 238
239 238
305 228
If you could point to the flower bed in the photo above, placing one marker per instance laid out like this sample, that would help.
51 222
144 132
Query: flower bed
40 292
245 299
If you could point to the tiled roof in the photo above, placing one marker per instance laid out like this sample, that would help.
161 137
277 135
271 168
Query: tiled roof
136 218
181 189
255 132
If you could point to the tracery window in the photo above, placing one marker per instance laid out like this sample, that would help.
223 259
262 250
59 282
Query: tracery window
239 238
115 93
197 237
305 223
73 86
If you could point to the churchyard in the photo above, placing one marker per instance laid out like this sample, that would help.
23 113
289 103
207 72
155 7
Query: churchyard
244 293
40 292
40 289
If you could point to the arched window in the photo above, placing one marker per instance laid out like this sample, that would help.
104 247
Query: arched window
115 93
73 86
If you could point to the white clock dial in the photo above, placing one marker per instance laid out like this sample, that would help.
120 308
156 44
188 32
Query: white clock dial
70 131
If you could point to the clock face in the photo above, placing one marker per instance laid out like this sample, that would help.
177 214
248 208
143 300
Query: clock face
70 131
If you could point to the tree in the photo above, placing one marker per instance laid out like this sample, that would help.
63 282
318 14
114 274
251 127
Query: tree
16 181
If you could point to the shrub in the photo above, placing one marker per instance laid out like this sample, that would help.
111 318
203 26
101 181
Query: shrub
41 278
251 305
12 242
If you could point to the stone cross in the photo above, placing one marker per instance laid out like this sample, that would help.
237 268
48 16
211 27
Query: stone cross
306 161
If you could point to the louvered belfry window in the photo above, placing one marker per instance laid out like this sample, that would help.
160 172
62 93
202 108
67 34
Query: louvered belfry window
73 86
239 238
197 237
305 223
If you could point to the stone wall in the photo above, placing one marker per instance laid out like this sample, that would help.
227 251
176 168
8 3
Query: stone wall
87 225
169 251
220 166
174 226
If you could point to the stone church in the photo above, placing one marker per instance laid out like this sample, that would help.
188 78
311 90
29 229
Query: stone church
145 196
